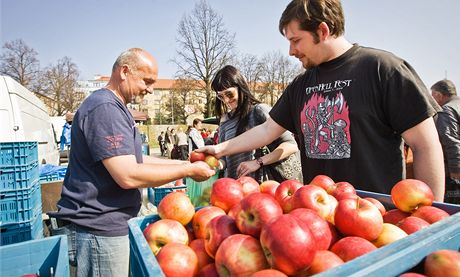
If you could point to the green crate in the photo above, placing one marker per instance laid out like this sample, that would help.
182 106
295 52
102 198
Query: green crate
199 192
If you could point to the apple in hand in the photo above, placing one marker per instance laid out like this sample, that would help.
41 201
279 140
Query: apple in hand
390 233
322 181
240 255
217 230
212 161
284 193
288 244
410 194
313 197
249 184
196 156
225 193
412 224
319 227
430 214
255 211
443 263
358 217
178 206
164 231
176 259
202 217
269 187
351 247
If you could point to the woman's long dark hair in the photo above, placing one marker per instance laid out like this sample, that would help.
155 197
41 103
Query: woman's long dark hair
228 77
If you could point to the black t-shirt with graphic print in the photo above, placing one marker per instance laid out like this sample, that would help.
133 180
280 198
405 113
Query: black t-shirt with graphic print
102 128
349 114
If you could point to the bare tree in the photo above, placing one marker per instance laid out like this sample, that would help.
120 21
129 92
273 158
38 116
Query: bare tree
251 68
20 62
204 46
184 93
58 84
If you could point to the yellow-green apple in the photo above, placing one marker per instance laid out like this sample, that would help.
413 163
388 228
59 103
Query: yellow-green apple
256 210
218 229
269 187
288 244
393 216
412 224
240 255
323 261
212 161
342 190
313 197
377 203
322 181
410 194
351 247
202 218
208 270
443 263
176 205
198 245
430 214
285 191
164 231
225 193
390 233
177 260
319 227
249 184
269 273
195 156
333 203
358 217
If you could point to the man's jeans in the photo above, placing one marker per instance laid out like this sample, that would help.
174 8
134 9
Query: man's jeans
96 255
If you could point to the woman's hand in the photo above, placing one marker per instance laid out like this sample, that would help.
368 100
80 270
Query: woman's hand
246 168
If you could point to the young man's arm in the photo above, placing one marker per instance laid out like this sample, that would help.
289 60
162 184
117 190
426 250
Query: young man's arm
428 158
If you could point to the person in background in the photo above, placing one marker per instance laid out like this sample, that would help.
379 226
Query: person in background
182 144
101 189
66 130
170 141
351 109
161 143
448 125
195 140
238 111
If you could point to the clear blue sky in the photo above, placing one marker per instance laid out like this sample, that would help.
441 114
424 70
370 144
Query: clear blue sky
92 33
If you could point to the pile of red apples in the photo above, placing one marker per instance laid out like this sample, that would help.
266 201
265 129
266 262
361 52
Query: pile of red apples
281 229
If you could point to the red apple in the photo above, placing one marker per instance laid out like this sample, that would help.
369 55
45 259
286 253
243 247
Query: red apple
443 263
430 214
358 217
378 204
269 187
313 197
212 161
394 216
164 231
226 192
342 190
256 210
218 229
249 184
322 181
333 203
208 270
269 273
177 260
352 247
323 261
409 194
202 218
288 244
176 205
285 191
318 226
240 255
198 245
195 156
412 224
411 274
390 233
234 210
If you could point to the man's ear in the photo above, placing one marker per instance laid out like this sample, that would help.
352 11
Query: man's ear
123 71
323 31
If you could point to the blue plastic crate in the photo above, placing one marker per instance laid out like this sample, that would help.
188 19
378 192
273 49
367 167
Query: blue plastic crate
50 177
36 256
20 205
155 195
23 231
18 176
18 153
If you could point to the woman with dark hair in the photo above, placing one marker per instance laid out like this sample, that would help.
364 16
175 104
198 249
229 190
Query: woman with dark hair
238 111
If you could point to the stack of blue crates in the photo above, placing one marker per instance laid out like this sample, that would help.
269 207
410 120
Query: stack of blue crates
20 193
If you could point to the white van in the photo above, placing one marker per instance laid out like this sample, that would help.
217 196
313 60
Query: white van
24 117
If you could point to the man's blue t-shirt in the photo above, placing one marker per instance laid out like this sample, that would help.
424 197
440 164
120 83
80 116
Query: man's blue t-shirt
102 128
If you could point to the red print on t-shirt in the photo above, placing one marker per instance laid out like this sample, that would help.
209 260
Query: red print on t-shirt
114 142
